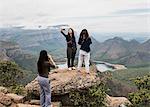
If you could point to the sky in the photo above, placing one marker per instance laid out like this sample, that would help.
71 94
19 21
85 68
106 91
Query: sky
94 15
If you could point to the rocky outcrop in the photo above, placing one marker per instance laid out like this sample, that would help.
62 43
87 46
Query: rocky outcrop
55 104
14 100
116 101
64 82
3 55
5 100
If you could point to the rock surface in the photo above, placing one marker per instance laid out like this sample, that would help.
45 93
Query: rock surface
55 104
16 98
5 100
13 100
116 101
63 81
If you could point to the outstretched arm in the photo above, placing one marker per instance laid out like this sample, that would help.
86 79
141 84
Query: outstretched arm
63 32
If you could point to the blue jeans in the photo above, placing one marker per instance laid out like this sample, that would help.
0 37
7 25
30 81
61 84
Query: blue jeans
45 91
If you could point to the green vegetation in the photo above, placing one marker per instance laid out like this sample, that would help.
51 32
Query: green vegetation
141 98
125 76
13 77
27 62
140 65
10 73
92 97
18 89
120 82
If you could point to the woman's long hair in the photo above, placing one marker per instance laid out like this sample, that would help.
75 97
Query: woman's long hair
85 33
42 58
72 32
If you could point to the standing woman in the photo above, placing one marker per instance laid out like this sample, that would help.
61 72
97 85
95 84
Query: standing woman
71 48
44 63
84 53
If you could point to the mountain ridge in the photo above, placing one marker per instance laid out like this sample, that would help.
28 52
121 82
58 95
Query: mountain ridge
113 50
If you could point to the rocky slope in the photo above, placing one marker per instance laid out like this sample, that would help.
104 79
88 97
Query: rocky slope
129 53
12 51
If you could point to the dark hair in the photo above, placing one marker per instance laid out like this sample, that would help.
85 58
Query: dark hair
72 32
84 32
42 58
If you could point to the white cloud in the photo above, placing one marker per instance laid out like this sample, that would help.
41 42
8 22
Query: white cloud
95 15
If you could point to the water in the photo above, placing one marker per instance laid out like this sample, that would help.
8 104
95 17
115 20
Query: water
100 67
103 67
62 66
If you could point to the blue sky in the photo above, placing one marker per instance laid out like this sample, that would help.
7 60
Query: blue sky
95 15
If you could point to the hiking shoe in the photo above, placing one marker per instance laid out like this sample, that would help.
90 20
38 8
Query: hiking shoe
69 69
73 68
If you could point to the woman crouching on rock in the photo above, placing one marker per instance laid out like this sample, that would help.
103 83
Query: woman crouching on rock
44 63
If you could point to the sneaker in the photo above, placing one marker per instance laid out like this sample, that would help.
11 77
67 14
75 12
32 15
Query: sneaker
69 69
73 68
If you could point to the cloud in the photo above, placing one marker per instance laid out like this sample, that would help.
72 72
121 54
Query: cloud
95 15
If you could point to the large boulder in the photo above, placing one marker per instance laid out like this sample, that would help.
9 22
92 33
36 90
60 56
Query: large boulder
5 100
117 101
16 98
63 82
55 104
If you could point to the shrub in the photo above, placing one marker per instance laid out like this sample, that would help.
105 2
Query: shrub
18 89
92 97
10 74
141 98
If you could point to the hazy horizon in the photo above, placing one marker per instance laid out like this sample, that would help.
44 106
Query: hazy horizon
95 15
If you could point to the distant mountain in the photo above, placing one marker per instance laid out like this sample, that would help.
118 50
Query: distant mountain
33 41
140 36
136 59
130 53
114 50
145 47
12 51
